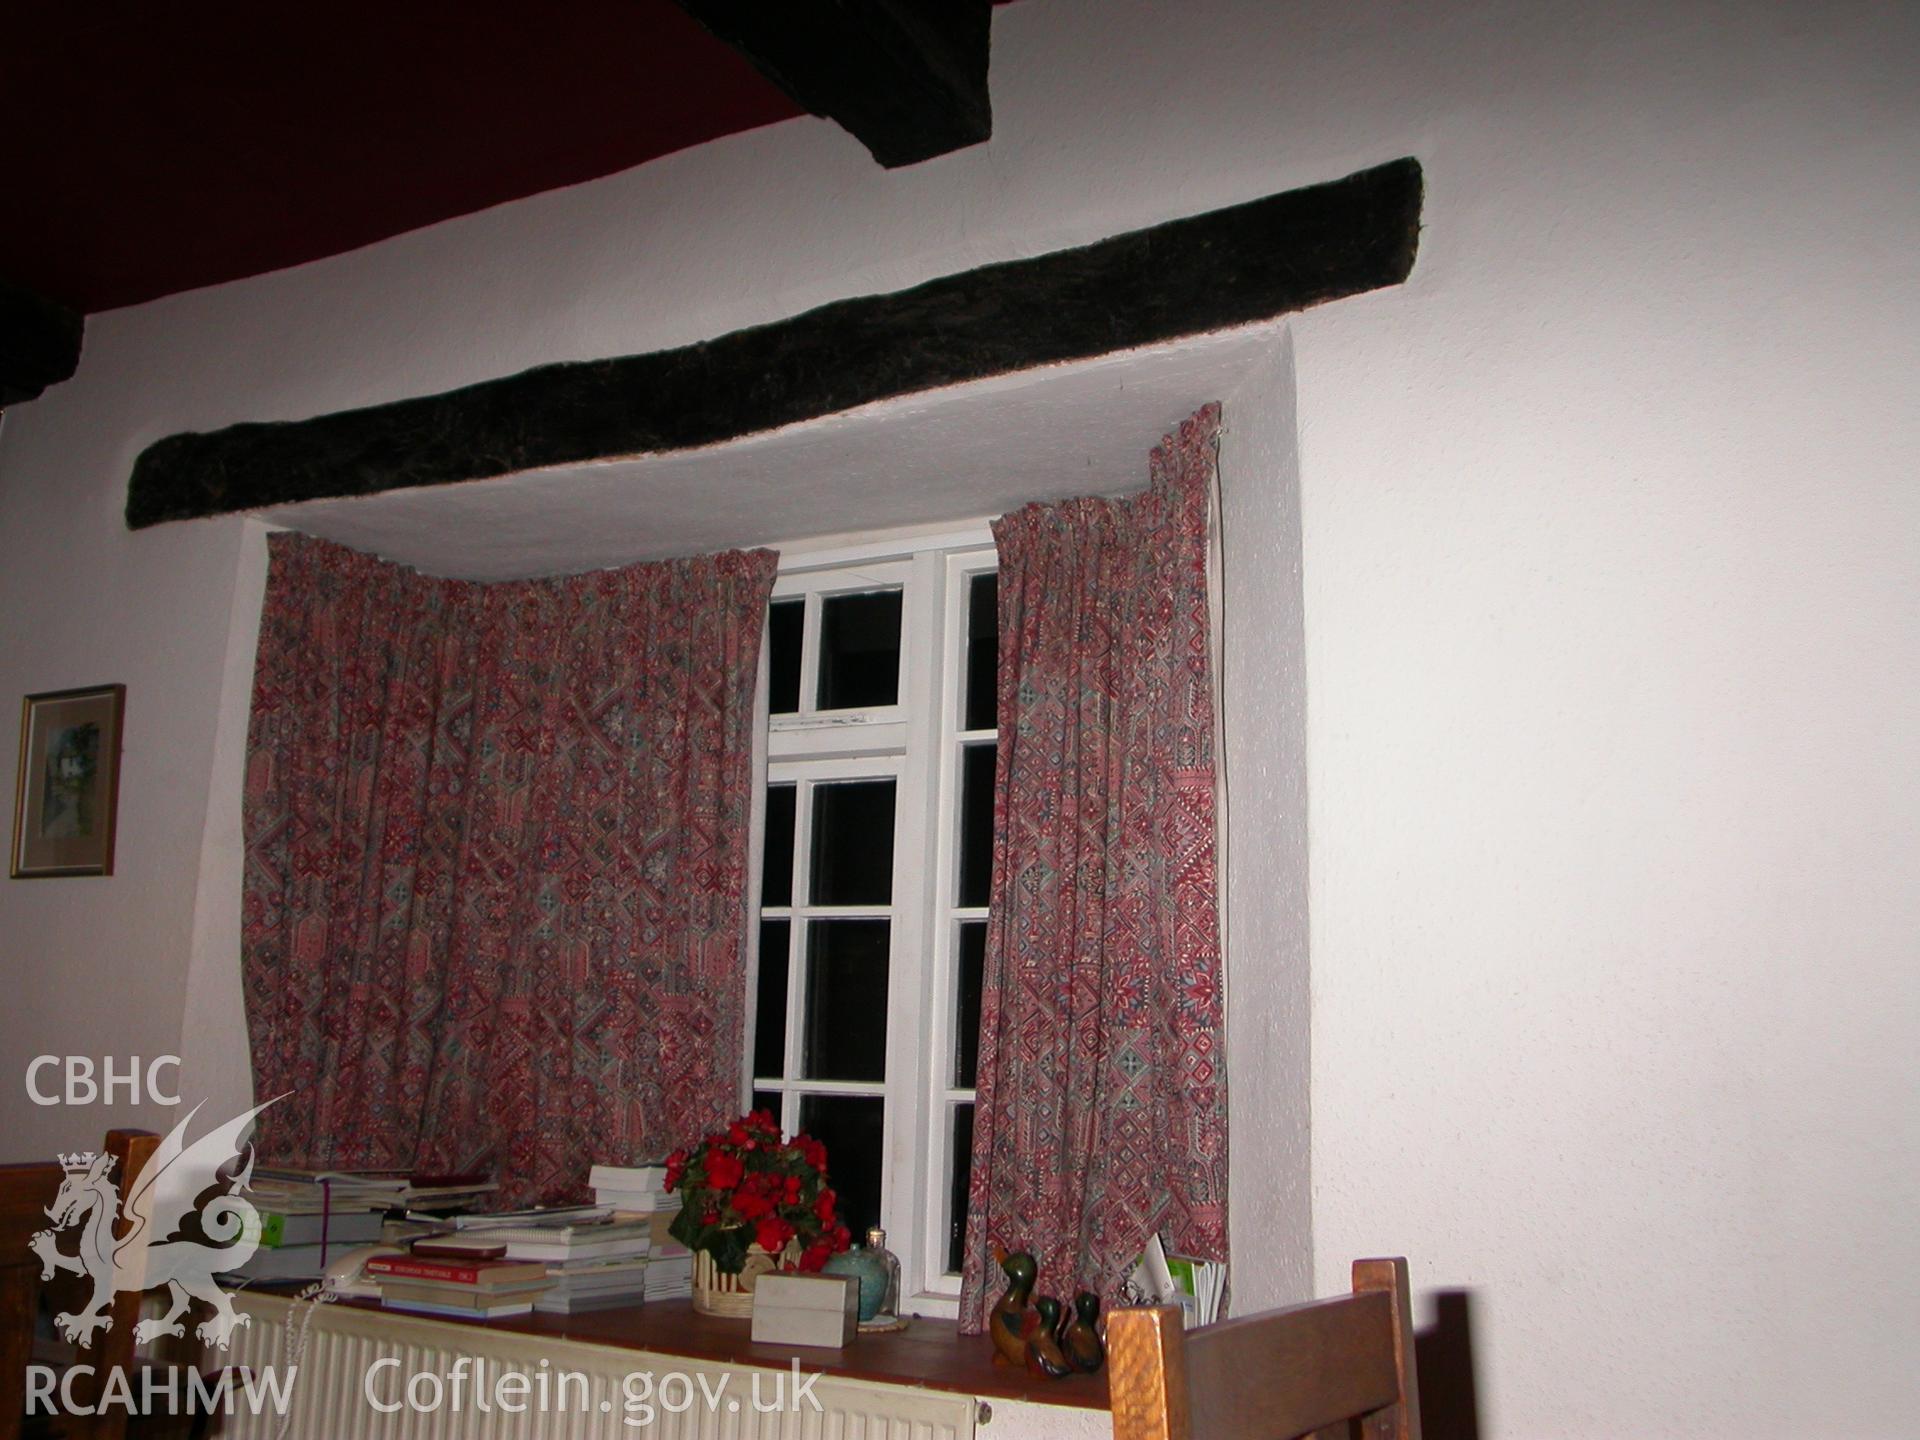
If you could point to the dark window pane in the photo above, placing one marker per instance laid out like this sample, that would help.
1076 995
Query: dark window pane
776 862
853 843
852 1128
983 653
785 621
957 1195
860 651
769 1101
770 1013
976 823
846 1017
966 1003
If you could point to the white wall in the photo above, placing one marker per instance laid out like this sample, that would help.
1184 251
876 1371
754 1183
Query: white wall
1610 592
1613 615
1263 674
96 966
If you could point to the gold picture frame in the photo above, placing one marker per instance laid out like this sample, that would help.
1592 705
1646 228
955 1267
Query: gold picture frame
67 793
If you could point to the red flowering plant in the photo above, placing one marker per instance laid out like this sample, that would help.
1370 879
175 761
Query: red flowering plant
745 1185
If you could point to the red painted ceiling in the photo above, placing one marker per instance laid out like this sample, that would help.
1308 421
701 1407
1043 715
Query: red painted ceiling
155 147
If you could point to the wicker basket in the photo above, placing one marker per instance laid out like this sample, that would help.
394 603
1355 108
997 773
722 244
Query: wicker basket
715 1293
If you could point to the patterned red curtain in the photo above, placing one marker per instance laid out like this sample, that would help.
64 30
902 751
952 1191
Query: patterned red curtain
496 862
1101 1114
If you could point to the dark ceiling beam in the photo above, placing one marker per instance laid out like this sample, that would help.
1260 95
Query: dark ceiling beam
39 344
1230 267
906 78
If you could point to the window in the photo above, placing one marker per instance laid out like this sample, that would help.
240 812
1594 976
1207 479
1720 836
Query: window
875 858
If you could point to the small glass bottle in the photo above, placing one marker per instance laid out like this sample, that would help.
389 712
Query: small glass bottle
890 1300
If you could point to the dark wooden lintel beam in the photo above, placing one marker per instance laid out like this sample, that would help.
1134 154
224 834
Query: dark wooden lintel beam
906 78
39 343
1230 267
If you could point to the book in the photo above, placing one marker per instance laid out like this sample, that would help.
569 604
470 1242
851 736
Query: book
460 1296
389 1187
629 1282
1197 1286
628 1202
628 1177
504 1310
540 1217
669 1279
559 1303
292 1174
309 1227
633 1189
584 1248
603 1227
599 1265
281 1200
484 1274
445 1196
604 1277
341 1185
455 1247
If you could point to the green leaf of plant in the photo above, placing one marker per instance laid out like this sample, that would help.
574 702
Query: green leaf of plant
728 1248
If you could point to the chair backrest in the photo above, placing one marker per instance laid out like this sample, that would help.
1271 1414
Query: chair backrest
1330 1367
25 1193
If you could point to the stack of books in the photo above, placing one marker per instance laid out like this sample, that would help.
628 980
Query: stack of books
338 1189
298 1246
639 1193
594 1284
464 1280
592 1258
670 1277
634 1189
605 1239
308 1217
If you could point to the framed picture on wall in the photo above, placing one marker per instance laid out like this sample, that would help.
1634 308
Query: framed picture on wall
69 782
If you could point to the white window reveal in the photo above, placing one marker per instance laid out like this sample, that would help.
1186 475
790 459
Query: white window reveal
876 854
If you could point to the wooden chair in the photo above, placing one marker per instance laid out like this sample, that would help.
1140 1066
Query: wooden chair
1328 1368
25 1193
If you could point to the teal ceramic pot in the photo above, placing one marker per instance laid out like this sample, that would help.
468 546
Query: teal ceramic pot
869 1267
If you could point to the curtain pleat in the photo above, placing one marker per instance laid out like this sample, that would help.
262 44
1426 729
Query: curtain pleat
496 861
1101 1110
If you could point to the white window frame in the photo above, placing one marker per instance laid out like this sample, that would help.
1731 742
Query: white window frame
918 743
944 915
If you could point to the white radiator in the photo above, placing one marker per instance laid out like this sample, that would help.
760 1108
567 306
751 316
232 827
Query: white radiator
619 1393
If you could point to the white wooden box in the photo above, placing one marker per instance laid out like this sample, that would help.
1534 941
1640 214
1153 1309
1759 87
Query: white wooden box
806 1309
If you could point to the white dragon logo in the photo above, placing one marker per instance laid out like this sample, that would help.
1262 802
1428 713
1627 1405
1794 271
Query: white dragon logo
164 1194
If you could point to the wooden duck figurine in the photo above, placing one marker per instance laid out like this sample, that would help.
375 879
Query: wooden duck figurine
1006 1321
1042 1325
1080 1336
